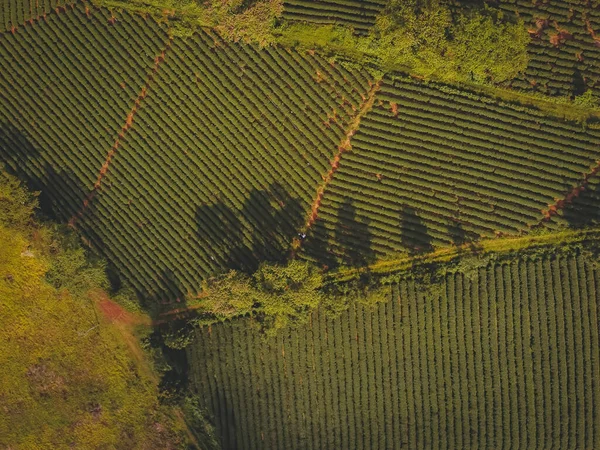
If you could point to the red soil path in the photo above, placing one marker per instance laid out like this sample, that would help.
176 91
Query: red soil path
126 126
114 312
344 146
571 195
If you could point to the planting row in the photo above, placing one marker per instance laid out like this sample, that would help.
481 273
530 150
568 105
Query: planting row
67 85
432 167
359 15
496 358
15 13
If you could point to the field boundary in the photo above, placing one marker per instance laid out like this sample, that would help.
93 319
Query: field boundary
572 194
344 146
480 248
126 126
497 246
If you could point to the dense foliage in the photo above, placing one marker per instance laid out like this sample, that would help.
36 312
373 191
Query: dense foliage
67 379
427 38
180 144
276 295
235 20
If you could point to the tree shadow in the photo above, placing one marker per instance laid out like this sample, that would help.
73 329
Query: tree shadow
220 228
414 234
584 210
261 230
578 83
175 378
319 246
349 244
61 192
353 237
459 235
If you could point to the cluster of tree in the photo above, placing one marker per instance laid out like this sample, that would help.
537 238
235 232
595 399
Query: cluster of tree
67 379
277 296
430 38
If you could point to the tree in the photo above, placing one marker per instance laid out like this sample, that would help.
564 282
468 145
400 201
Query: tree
488 49
468 43
276 295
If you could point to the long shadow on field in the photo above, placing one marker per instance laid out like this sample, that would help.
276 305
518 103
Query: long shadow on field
459 235
578 83
261 231
413 232
353 236
61 191
350 243
61 197
584 210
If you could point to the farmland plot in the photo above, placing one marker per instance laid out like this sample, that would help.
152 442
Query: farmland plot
221 163
565 48
504 358
432 166
66 87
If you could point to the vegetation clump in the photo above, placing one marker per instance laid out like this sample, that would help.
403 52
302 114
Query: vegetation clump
67 379
428 39
235 20
278 296
275 295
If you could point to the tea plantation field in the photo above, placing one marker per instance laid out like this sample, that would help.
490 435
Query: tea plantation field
565 47
433 166
178 158
502 358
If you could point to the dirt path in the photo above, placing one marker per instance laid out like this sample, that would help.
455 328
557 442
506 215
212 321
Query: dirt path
344 146
125 322
571 195
126 126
